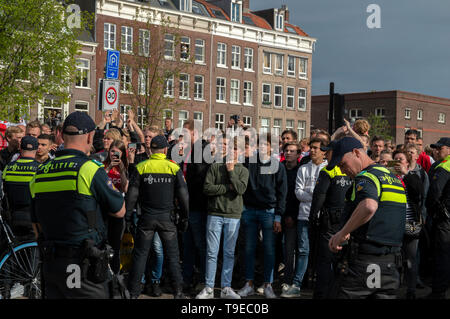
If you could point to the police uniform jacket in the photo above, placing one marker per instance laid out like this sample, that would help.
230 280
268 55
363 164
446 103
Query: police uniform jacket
439 192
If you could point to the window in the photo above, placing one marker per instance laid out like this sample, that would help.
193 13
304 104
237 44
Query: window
420 132
248 93
290 95
265 124
291 66
301 132
168 87
198 116
185 5
127 39
356 114
267 63
302 99
109 35
266 94
380 112
303 68
234 91
167 114
220 89
419 115
52 111
278 96
279 64
182 117
279 22
407 113
82 73
169 51
125 79
144 42
184 48
184 86
200 51
142 82
199 87
221 54
235 12
220 121
248 59
277 126
142 118
247 120
441 118
236 57
289 124
82 106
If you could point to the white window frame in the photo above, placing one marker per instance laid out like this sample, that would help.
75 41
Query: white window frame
247 120
199 88
277 123
125 85
142 77
302 99
185 41
441 118
419 114
279 71
357 115
288 124
267 69
82 103
290 97
144 42
221 90
407 113
234 91
301 129
236 11
182 120
278 96
248 59
221 54
236 57
220 121
184 87
266 94
380 112
200 43
169 40
127 39
291 72
169 86
279 21
266 126
109 36
196 117
248 93
84 72
186 5
165 112
301 74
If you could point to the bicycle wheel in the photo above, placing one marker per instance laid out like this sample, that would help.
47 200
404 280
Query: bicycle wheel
20 272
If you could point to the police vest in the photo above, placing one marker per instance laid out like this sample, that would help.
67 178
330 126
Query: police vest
387 226
64 204
445 164
340 183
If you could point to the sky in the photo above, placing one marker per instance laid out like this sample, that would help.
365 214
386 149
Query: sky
410 52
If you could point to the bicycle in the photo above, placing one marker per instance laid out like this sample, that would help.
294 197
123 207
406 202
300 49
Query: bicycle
20 268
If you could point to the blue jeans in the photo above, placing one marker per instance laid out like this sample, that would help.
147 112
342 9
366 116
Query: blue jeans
215 225
194 243
250 220
302 253
157 258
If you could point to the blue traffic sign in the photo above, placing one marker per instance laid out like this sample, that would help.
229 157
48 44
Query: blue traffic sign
112 64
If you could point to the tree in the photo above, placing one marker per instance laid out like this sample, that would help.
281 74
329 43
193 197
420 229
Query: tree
380 127
157 66
38 45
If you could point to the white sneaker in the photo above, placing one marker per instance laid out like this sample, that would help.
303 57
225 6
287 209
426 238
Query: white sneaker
228 293
206 293
284 287
268 292
292 292
247 290
260 290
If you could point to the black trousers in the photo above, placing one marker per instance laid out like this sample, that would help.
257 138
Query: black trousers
146 228
441 266
324 267
360 281
59 278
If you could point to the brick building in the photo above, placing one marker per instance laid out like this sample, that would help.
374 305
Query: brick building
403 110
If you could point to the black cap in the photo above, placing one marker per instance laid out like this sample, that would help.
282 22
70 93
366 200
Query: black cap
29 143
443 141
340 148
159 142
81 120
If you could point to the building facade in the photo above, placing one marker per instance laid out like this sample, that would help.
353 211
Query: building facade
403 110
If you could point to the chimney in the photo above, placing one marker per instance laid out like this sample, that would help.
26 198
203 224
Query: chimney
246 6
286 13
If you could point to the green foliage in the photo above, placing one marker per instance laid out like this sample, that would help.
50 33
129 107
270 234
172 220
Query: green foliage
380 127
37 54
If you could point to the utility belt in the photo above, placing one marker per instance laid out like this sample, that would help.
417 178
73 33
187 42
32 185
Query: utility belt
93 261
330 218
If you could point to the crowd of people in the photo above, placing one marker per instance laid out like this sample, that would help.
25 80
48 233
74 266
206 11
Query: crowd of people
253 221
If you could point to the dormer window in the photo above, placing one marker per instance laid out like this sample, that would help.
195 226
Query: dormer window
279 21
236 11
186 5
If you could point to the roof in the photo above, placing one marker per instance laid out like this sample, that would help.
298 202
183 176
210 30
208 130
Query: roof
213 10
296 28
258 21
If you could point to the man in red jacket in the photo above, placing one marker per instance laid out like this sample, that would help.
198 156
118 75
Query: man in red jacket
411 136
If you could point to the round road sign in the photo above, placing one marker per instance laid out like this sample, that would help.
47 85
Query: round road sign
111 95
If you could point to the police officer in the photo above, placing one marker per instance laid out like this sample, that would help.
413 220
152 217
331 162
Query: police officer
325 220
156 185
375 224
438 206
71 197
16 185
